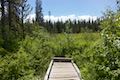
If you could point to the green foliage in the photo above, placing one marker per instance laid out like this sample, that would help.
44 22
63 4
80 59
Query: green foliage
109 57
102 60
15 66
32 58
3 52
37 46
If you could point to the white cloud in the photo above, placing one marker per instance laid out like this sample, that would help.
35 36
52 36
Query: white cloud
64 18
30 17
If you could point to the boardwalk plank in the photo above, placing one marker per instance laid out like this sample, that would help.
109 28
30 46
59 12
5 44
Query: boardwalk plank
63 71
62 68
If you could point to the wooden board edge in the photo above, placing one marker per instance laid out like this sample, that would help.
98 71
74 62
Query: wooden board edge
48 71
77 70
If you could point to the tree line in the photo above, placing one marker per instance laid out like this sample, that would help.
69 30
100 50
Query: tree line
75 26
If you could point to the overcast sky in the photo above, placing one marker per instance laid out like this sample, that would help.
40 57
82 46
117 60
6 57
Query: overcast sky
74 9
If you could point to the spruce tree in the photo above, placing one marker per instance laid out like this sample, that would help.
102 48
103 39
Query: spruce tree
39 14
24 9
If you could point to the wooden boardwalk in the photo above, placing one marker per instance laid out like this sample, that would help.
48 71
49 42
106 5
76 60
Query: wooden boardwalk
62 69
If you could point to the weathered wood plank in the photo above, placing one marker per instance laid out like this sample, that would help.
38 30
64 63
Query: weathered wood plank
62 69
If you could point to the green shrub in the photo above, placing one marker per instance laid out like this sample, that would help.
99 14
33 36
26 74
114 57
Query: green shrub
16 66
37 46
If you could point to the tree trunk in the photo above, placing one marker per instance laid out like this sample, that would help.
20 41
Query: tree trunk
23 21
10 20
3 28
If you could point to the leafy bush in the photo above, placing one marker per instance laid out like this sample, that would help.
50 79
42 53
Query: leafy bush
37 46
102 61
15 66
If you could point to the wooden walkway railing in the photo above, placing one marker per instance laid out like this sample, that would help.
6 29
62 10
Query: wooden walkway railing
62 69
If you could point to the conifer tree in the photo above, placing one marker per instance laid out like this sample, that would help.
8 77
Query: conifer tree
24 9
39 14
